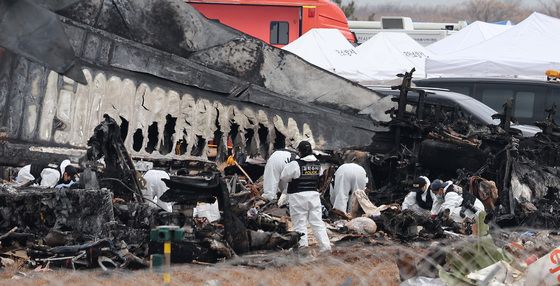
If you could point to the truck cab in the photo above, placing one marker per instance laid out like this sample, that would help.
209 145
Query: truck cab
277 22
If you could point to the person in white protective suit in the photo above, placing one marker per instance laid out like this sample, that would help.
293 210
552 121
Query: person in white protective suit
272 171
68 178
303 176
155 188
348 178
420 199
459 208
42 174
437 187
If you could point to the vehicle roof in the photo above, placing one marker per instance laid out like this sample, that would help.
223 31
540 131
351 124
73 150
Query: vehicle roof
480 110
487 80
432 93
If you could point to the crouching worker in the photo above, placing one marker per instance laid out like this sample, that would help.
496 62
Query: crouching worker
68 178
348 178
458 205
155 188
303 176
420 199
45 175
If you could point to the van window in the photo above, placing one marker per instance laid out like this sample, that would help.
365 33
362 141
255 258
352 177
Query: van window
279 33
524 104
554 98
461 89
496 97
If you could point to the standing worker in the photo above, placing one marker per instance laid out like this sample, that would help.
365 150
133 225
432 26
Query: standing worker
272 171
421 199
302 176
348 178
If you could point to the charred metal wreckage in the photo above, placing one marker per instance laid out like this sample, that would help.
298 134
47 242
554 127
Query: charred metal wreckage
166 83
441 142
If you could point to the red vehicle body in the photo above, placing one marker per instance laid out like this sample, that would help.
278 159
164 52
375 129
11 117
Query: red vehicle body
277 22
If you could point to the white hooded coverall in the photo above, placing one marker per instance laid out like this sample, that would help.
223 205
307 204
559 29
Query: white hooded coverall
453 202
272 171
49 176
410 202
436 207
306 207
348 178
155 187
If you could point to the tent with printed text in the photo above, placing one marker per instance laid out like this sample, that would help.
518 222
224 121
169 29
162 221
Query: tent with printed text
330 50
391 53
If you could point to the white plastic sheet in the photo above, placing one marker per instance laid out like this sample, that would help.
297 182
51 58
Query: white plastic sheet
423 281
209 211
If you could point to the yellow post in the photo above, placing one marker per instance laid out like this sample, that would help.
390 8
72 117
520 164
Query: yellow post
167 255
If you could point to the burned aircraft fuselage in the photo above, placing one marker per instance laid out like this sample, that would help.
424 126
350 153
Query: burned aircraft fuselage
175 91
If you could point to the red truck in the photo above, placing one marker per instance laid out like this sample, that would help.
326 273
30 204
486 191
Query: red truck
277 22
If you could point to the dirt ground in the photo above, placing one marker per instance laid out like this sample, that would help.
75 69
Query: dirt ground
347 265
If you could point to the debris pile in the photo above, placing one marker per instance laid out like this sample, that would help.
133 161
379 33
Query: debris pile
237 110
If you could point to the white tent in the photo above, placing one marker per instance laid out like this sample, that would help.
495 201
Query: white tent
392 53
526 50
469 36
330 50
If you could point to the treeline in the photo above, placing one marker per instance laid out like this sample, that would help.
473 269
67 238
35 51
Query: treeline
471 10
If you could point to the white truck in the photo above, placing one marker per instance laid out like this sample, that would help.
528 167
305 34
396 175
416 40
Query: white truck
424 33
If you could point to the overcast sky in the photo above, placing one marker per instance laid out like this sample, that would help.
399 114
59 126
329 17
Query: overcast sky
425 2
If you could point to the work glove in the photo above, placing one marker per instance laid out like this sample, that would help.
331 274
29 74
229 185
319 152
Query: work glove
283 200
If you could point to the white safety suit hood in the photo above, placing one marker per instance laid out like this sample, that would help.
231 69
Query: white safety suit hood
49 178
63 166
24 175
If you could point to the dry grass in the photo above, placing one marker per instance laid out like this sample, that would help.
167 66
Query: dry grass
365 265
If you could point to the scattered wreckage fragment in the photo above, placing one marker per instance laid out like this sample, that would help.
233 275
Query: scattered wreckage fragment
133 70
255 105
507 172
109 227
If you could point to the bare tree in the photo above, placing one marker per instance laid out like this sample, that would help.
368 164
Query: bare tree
348 9
492 10
550 7
495 10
